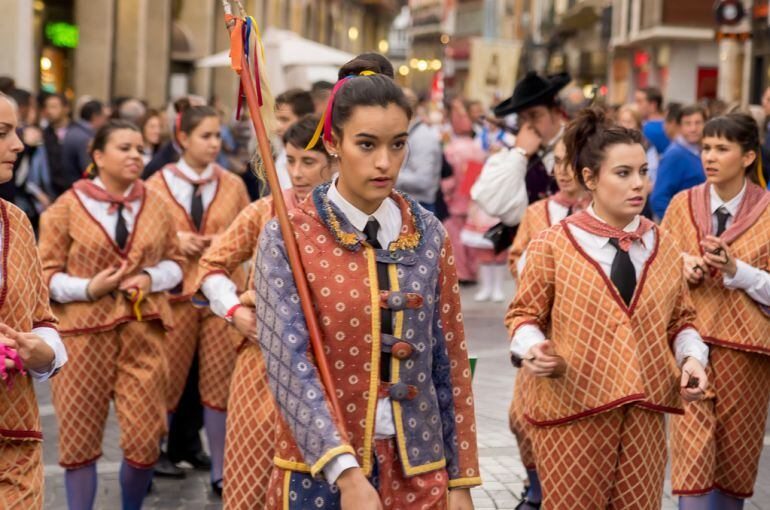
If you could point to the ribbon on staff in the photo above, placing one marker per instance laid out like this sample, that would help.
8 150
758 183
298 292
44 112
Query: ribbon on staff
246 26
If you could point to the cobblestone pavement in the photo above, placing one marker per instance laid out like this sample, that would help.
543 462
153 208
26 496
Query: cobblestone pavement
493 386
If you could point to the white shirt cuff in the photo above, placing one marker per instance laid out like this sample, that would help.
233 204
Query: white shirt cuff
525 338
384 426
334 468
221 293
689 344
754 281
165 275
52 338
66 289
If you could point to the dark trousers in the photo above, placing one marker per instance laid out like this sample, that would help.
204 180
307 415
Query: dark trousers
184 440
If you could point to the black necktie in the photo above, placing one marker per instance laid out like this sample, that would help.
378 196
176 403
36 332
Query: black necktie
121 231
386 316
196 207
623 274
371 230
722 217
569 211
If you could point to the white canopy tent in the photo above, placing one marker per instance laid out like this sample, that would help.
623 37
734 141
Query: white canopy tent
292 61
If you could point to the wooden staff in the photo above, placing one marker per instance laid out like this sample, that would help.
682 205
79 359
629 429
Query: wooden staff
286 229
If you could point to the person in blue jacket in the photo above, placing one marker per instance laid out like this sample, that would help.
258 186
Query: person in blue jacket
681 166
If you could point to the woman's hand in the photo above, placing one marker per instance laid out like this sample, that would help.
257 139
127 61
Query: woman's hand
694 269
542 361
35 354
141 281
460 499
718 255
191 244
106 281
356 493
245 321
694 381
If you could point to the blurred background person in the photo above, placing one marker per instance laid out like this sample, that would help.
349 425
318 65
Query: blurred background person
461 152
421 173
152 132
80 133
290 106
680 167
132 110
320 92
649 102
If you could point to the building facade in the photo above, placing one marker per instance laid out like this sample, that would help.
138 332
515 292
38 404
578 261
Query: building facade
669 44
148 48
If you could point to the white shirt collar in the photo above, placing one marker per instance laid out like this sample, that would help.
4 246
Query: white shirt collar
192 174
731 205
356 216
602 241
99 183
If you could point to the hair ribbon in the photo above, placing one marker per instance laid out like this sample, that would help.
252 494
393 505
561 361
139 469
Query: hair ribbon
325 124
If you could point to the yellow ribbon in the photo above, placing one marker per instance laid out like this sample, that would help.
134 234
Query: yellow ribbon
137 296
259 37
760 173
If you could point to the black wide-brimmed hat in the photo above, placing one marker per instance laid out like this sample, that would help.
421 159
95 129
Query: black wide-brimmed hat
533 90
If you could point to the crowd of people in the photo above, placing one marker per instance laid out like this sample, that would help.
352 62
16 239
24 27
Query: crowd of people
639 236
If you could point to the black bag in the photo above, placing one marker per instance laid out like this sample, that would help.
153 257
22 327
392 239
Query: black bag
501 236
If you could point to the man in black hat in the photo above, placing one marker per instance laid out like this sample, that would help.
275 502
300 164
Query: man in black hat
514 178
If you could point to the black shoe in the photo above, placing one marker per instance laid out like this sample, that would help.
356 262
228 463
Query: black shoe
164 468
216 488
200 461
525 504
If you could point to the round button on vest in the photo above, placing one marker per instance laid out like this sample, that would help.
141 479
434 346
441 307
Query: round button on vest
396 301
399 391
401 350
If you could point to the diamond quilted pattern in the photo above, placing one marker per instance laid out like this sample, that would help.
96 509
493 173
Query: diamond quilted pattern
125 364
614 354
21 475
239 242
23 305
729 317
534 221
613 460
719 440
249 446
520 427
72 241
230 199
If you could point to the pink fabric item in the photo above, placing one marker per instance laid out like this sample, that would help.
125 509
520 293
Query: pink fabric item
9 353
465 260
459 152
754 203
592 225
88 188
563 200
196 182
